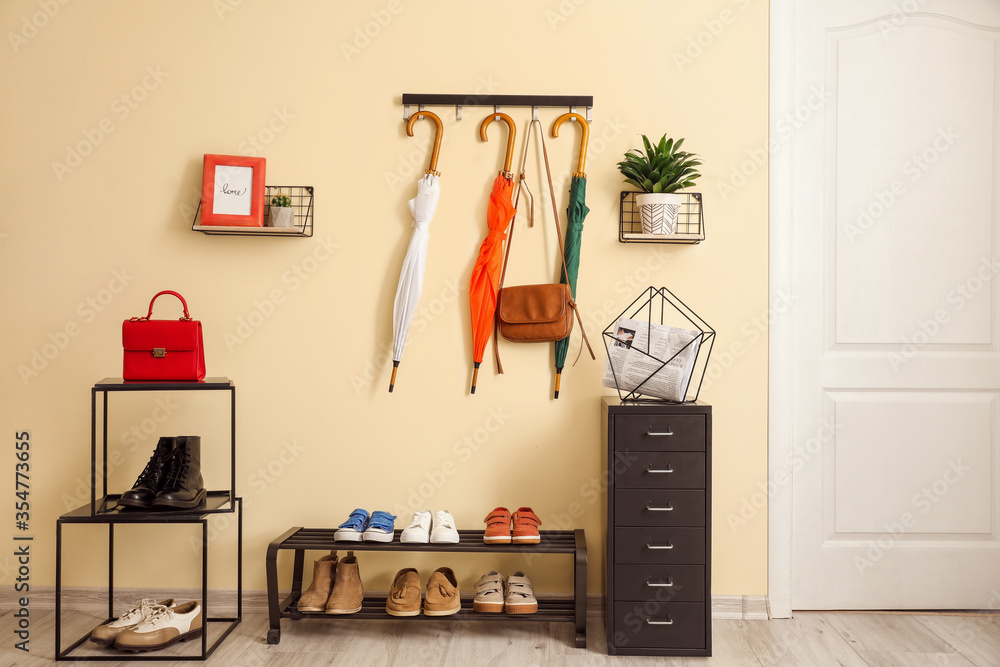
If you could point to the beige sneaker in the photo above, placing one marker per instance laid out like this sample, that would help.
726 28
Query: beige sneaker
520 595
442 597
489 593
162 628
108 633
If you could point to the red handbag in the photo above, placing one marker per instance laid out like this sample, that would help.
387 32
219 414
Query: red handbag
163 349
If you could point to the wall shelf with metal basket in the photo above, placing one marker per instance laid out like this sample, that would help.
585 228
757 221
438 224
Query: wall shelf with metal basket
690 227
302 203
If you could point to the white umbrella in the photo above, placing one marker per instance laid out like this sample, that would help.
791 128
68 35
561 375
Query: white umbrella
411 276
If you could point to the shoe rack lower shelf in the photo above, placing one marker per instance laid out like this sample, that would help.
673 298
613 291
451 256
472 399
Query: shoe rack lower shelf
550 610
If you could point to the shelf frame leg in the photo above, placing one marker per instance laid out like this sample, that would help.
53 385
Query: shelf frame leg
580 588
232 467
271 570
111 570
59 527
204 587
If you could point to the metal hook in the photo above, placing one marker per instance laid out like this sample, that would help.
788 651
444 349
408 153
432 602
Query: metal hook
583 140
511 134
432 169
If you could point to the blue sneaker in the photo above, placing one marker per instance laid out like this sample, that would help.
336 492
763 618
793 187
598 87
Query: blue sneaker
380 527
352 529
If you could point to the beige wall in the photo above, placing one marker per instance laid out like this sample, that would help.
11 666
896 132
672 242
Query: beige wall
141 90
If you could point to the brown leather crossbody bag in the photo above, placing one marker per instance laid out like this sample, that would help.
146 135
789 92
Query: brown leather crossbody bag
536 313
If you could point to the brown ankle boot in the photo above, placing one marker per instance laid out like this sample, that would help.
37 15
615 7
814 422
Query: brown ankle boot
347 589
315 597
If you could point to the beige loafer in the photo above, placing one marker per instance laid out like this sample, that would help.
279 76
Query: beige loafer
404 595
442 597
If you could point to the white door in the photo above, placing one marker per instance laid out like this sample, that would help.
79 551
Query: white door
894 140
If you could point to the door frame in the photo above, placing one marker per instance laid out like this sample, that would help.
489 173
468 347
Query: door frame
781 181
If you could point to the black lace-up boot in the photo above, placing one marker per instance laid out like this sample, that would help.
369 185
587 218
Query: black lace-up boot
184 487
151 479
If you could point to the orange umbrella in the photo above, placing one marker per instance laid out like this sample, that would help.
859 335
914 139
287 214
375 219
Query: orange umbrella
486 272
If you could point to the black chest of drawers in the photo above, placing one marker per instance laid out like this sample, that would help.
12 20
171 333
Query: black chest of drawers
659 519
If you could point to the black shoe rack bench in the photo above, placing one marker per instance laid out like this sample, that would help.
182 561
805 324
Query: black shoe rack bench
550 610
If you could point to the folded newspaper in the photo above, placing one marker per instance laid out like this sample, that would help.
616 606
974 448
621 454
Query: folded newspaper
638 356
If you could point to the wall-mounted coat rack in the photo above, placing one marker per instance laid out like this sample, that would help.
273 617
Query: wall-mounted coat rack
422 100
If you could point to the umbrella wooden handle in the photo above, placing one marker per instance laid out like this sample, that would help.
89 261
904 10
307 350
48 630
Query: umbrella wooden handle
432 169
511 133
583 141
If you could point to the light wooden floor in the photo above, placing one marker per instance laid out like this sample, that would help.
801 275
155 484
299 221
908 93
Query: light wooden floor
811 639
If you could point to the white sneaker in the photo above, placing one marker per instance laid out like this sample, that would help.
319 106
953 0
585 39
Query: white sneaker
418 532
444 531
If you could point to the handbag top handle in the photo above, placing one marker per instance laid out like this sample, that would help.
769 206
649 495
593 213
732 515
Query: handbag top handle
149 315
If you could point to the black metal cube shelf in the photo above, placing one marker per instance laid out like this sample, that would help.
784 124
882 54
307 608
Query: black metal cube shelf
104 510
108 502
82 515
550 610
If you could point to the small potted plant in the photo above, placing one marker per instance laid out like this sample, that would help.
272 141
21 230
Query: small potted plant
659 173
282 214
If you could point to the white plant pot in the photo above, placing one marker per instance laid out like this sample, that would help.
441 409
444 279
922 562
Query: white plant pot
282 216
659 211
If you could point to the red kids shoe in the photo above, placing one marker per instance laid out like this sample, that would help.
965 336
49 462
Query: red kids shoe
497 527
526 527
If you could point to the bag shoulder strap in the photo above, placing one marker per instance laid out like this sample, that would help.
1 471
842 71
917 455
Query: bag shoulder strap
552 199
562 252
521 184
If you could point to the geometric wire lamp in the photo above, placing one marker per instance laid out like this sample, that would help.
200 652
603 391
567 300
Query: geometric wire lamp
653 360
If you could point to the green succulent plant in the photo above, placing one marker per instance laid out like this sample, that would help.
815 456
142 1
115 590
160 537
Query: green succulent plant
281 200
663 167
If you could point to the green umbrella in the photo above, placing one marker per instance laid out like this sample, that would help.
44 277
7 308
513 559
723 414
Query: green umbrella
576 212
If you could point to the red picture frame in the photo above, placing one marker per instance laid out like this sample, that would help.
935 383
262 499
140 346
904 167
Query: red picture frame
232 191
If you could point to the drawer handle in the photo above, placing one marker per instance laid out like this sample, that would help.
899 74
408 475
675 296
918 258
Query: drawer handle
659 546
669 621
664 471
668 508
663 584
650 431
